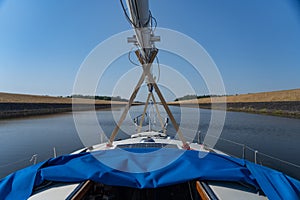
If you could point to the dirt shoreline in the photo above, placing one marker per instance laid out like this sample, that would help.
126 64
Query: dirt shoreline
285 103
290 109
18 110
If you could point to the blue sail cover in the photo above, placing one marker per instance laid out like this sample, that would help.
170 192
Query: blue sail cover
133 172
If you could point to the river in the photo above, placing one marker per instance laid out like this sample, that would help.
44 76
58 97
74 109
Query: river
276 139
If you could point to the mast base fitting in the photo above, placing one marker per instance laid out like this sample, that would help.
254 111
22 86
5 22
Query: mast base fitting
186 146
109 144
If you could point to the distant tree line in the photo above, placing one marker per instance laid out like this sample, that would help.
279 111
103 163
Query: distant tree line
106 98
191 96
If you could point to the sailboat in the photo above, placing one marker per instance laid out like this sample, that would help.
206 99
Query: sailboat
149 164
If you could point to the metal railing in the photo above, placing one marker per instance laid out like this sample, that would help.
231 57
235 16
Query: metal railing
256 154
30 160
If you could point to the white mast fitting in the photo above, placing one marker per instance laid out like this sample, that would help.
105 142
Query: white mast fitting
141 19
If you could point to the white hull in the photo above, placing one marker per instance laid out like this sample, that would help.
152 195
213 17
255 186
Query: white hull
220 190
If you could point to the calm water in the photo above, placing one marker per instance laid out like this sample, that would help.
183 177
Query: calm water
271 136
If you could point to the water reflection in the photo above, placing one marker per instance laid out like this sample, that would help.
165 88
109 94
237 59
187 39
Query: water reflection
274 136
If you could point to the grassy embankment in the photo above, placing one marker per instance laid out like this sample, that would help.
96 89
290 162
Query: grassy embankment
20 105
284 103
281 103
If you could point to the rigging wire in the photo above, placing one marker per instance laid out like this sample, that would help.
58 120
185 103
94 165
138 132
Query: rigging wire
137 13
153 19
158 69
129 57
136 64
126 14
130 21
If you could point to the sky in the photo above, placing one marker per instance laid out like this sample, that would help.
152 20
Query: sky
254 44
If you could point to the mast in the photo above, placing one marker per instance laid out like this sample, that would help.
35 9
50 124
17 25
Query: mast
141 19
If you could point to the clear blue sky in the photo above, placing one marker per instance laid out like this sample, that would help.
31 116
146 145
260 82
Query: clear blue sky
255 44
